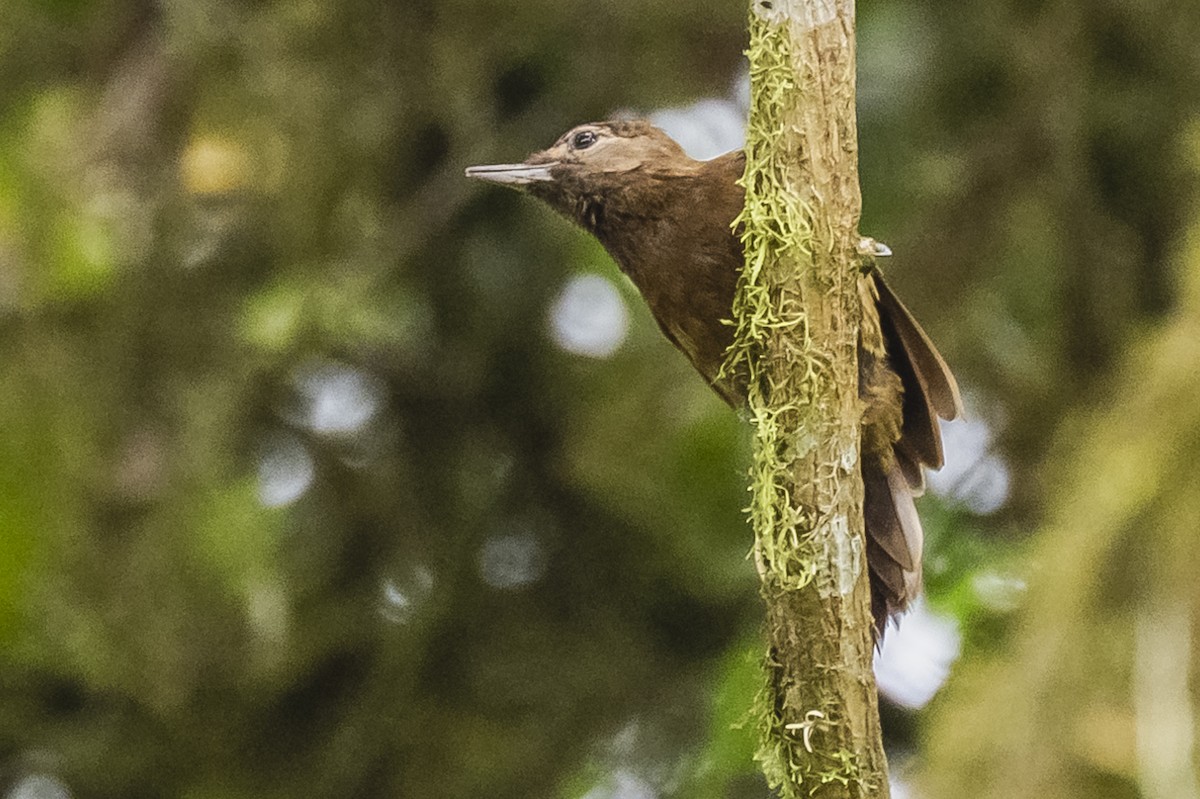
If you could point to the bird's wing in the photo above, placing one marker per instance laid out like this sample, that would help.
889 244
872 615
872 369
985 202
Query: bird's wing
930 390
894 535
927 362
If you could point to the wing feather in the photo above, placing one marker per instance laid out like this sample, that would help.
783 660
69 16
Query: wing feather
940 387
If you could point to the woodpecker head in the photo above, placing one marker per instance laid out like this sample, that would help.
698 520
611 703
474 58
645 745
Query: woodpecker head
592 165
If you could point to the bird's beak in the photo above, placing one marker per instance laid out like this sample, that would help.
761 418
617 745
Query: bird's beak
513 174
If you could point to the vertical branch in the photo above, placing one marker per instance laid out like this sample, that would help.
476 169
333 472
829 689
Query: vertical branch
798 312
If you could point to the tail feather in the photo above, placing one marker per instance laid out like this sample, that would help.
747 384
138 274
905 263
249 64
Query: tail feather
910 525
914 475
894 542
889 581
884 521
894 535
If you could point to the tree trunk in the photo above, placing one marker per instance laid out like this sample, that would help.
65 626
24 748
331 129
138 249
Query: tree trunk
798 313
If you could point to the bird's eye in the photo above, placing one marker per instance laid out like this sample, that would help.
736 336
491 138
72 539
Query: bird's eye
583 140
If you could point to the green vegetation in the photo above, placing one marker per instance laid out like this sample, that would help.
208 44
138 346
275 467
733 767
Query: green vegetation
299 497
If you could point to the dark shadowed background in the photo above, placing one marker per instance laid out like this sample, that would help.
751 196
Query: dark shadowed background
325 472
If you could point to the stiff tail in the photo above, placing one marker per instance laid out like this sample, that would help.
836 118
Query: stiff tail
894 542
894 534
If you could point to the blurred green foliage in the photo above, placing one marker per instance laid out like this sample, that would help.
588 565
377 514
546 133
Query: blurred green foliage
226 228
1093 692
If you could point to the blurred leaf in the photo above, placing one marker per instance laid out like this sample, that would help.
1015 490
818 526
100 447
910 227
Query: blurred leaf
238 536
81 250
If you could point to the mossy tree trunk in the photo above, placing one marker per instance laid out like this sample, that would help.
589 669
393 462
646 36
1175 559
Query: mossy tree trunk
798 313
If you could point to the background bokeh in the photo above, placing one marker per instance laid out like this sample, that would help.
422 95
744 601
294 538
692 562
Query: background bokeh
325 472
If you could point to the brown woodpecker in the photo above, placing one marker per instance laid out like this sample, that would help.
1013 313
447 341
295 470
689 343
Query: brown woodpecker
667 221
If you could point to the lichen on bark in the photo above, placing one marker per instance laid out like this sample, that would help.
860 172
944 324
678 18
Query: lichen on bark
797 314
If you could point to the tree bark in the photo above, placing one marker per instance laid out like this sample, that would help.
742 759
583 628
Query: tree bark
798 314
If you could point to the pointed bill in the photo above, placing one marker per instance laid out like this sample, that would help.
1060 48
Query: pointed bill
513 174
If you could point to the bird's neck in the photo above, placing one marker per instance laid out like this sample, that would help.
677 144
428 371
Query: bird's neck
670 230
637 215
